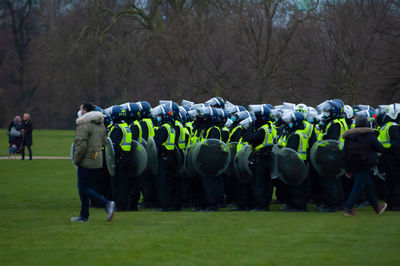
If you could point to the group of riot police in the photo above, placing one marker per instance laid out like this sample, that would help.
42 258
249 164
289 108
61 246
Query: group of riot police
212 155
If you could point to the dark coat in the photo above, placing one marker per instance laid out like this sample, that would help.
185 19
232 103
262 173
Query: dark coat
27 136
371 145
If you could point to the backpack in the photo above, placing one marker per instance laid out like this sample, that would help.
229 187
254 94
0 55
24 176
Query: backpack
357 148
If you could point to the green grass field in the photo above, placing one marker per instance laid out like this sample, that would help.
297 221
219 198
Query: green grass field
38 198
45 142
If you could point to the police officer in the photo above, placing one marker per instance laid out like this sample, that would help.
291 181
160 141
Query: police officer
121 136
298 140
390 138
165 142
146 179
262 142
132 118
205 125
242 183
333 128
180 143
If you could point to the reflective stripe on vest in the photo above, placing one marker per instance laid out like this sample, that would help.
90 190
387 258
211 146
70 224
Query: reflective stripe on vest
194 138
150 128
208 133
126 141
169 144
189 126
342 130
140 137
233 132
241 144
109 127
269 135
182 135
282 141
309 128
226 129
303 144
344 124
384 136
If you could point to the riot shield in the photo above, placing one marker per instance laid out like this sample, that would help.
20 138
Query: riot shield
177 166
152 156
327 158
230 170
189 170
242 163
210 157
72 154
144 143
110 157
138 158
291 168
274 168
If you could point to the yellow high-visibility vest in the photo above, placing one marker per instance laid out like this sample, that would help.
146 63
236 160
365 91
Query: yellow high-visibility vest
384 136
270 133
182 135
169 143
233 132
140 137
150 128
126 141
342 130
303 144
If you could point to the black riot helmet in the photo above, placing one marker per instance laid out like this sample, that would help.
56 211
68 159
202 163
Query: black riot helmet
173 106
145 109
132 112
118 114
216 102
162 114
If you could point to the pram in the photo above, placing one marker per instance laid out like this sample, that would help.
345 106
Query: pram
14 147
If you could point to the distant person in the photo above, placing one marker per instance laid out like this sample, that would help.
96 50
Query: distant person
26 131
14 128
90 138
360 151
14 136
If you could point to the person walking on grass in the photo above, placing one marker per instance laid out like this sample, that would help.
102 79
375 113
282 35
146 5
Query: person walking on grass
26 131
90 138
360 152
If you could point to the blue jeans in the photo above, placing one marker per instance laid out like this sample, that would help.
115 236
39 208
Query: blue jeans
362 180
86 177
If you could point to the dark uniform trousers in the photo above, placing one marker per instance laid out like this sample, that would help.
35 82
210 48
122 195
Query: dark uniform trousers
163 181
332 194
298 195
245 199
119 182
147 187
392 189
261 182
133 186
211 191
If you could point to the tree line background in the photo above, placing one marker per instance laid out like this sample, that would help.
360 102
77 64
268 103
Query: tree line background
54 54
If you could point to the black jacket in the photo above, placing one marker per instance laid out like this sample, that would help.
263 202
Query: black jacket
370 146
27 136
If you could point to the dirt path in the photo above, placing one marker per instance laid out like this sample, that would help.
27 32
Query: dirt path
35 158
